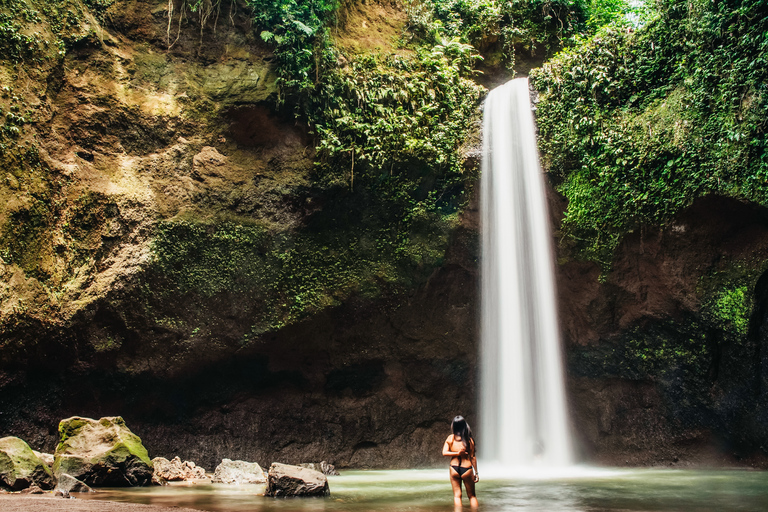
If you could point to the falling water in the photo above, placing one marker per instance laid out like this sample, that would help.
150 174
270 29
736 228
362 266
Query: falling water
523 420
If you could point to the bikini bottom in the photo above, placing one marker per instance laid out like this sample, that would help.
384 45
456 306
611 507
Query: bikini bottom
460 470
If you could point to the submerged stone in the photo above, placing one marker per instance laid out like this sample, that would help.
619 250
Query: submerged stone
20 468
238 472
102 452
287 480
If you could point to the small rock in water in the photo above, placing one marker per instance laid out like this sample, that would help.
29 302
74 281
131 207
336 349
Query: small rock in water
238 472
287 480
67 484
323 467
175 470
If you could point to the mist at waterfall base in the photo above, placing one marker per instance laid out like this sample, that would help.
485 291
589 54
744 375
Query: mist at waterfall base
523 423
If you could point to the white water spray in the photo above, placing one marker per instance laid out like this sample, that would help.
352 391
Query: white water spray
523 419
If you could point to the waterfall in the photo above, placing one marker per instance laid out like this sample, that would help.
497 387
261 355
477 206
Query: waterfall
523 419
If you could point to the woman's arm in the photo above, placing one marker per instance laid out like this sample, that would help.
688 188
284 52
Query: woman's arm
447 449
473 459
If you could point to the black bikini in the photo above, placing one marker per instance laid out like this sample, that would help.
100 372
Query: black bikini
460 469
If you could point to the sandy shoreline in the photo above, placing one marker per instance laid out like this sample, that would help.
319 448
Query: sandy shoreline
38 503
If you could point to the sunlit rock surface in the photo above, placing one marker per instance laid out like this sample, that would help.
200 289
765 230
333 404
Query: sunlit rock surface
101 452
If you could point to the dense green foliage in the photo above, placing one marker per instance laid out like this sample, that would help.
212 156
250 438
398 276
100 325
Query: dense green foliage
395 117
474 22
635 125
503 29
14 43
298 33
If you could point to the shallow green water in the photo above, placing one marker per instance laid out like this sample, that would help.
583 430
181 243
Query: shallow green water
590 490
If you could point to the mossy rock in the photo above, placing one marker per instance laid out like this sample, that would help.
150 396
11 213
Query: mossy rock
102 452
20 467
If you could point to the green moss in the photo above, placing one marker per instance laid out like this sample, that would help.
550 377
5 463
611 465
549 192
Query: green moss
657 350
289 275
727 296
26 235
70 427
636 125
731 309
130 446
107 344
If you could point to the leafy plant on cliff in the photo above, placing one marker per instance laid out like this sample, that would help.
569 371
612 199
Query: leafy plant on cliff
15 45
635 125
297 31
396 119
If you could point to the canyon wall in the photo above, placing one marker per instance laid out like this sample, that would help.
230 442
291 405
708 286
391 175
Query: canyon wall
171 254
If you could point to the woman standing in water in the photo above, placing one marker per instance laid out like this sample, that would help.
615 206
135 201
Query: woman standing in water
460 447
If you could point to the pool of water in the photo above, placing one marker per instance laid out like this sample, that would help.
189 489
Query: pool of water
585 490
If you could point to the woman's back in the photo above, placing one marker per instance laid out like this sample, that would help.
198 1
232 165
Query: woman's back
455 444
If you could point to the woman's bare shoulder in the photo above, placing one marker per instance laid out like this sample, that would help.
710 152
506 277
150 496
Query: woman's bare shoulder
449 439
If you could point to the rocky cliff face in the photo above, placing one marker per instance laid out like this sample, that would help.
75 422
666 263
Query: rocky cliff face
151 196
666 351
166 194
364 385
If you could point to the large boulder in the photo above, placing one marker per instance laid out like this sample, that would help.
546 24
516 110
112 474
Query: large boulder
175 470
287 480
238 472
102 452
20 468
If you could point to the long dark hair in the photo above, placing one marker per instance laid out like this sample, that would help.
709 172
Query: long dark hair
460 428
